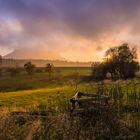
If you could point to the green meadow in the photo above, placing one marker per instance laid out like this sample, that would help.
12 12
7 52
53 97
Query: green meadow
28 91
24 99
60 77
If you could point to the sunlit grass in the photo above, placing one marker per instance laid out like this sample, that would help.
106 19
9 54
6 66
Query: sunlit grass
33 98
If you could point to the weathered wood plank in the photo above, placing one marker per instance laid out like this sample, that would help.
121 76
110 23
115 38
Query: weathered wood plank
88 100
80 94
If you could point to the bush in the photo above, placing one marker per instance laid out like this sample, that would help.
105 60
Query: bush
14 71
99 71
30 68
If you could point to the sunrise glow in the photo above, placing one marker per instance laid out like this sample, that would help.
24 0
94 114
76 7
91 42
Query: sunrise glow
75 31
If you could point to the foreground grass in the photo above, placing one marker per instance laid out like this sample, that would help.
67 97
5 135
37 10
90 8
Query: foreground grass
41 93
55 98
30 98
59 97
59 124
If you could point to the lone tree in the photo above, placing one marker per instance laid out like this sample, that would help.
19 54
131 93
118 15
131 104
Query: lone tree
30 68
49 68
121 61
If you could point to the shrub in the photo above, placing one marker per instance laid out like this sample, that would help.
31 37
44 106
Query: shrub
99 71
30 68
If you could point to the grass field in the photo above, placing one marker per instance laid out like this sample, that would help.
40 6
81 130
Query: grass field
55 95
31 98
29 92
60 77
52 94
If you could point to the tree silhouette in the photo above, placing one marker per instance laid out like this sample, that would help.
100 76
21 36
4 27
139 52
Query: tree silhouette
49 68
121 61
30 68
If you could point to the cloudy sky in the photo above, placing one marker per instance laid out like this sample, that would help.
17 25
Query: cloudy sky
78 30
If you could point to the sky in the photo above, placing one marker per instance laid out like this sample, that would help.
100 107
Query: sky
76 30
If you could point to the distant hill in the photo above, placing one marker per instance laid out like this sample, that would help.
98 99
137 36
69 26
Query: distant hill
42 63
21 56
33 54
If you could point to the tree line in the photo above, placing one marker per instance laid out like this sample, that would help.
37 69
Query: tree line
29 67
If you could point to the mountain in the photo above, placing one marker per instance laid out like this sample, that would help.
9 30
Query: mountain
40 57
34 54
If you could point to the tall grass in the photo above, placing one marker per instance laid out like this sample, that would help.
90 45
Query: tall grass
52 120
